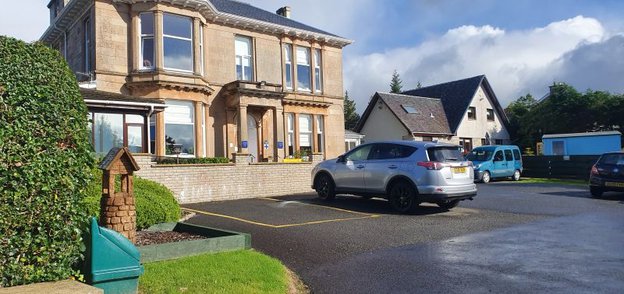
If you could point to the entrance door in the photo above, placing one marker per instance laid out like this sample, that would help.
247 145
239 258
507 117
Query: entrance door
252 137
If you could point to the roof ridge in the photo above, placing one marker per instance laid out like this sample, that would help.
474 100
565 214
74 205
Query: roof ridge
407 95
445 83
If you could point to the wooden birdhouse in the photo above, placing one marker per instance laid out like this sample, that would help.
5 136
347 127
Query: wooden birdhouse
117 208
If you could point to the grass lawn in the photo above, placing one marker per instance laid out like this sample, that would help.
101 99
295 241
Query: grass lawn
552 181
245 271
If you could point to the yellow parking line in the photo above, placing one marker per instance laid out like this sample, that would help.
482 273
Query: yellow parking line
280 226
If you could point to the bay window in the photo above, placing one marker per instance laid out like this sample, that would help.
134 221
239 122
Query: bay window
303 69
179 126
317 71
147 40
289 68
244 60
177 42
305 133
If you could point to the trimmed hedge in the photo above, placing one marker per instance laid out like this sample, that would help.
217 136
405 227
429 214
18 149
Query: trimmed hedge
199 160
45 165
154 202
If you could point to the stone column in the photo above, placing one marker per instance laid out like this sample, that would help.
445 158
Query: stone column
135 46
209 135
315 143
160 134
296 133
196 48
294 65
242 128
158 43
278 133
312 71
199 134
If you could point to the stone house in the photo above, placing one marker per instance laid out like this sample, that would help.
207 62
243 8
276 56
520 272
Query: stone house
464 112
208 77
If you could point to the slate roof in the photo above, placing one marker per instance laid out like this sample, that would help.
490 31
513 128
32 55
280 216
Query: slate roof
249 11
91 94
429 118
456 97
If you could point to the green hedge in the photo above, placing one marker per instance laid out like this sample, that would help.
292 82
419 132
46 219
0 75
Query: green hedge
45 165
154 202
199 160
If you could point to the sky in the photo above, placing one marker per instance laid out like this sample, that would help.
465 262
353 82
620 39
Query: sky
522 46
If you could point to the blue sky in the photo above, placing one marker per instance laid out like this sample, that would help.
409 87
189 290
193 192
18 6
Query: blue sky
522 46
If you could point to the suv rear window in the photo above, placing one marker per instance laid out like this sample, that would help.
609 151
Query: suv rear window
614 159
443 154
480 155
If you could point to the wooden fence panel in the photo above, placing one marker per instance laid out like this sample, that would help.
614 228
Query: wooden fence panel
558 167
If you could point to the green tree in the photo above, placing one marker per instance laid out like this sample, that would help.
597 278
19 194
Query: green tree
518 112
396 83
45 165
418 85
351 117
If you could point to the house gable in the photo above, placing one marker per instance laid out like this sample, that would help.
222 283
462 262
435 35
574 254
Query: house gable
481 127
379 122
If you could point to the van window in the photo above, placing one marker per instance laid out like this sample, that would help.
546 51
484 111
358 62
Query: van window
498 156
443 154
516 154
508 156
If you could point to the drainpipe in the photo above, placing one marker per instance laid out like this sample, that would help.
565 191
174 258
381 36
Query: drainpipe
149 133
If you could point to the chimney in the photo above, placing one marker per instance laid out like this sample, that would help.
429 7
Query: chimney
284 11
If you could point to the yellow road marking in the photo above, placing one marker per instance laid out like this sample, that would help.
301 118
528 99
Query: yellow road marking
365 216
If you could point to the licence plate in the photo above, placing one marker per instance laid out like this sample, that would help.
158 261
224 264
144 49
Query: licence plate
459 170
612 184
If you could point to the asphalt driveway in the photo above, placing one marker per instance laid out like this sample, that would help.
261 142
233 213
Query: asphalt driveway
511 238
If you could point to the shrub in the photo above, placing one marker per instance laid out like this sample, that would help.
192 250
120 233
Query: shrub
154 202
45 165
199 160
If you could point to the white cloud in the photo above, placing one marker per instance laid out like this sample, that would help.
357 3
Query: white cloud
515 62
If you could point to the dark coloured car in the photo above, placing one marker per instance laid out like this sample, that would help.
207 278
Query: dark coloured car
607 174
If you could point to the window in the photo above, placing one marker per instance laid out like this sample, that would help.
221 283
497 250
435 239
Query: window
303 69
444 154
558 148
147 40
288 70
177 42
472 112
87 46
305 132
201 50
498 156
244 61
318 77
508 155
291 133
109 130
390 151
490 114
179 126
483 142
319 133
360 153
498 141
427 139
466 143
409 109
516 154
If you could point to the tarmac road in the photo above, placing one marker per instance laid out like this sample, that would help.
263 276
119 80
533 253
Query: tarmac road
513 238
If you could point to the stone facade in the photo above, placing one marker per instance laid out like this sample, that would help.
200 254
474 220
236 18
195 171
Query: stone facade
200 183
221 105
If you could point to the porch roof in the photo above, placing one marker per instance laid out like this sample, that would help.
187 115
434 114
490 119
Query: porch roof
96 98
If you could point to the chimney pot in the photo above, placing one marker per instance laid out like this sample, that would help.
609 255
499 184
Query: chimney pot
284 11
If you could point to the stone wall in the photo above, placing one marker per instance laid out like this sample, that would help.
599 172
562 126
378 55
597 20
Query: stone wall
201 183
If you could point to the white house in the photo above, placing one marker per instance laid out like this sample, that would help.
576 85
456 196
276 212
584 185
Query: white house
464 112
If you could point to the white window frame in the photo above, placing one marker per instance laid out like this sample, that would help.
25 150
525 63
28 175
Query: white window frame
172 102
306 132
201 49
290 128
318 87
240 57
288 58
307 49
143 38
177 38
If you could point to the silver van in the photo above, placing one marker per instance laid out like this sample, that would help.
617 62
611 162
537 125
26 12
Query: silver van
407 173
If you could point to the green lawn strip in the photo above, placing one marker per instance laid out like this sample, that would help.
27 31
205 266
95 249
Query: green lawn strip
552 181
244 271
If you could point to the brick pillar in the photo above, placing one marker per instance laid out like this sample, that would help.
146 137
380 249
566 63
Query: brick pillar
117 209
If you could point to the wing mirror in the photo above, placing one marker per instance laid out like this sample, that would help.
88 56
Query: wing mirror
341 159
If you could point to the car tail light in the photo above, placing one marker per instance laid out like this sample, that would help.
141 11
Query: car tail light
594 170
431 165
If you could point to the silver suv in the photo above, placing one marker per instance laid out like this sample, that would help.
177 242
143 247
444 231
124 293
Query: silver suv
407 173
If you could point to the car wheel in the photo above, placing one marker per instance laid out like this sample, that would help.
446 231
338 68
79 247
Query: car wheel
486 177
325 187
403 197
448 204
516 176
596 192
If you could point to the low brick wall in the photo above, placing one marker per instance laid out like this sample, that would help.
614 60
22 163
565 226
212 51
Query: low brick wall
201 183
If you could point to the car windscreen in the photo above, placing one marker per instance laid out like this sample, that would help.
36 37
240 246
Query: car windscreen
480 155
612 159
445 153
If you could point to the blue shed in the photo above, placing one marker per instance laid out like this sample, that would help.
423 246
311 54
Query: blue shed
594 143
